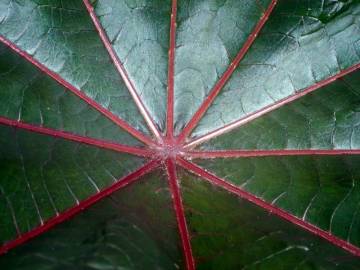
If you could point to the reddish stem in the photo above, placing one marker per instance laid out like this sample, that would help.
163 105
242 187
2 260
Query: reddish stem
120 68
76 138
226 76
267 109
125 181
78 93
180 216
269 207
171 66
268 153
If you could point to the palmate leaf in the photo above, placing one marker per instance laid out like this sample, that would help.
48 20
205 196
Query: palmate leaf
179 134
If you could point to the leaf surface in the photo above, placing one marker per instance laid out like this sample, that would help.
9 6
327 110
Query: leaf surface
301 44
42 176
30 96
139 34
61 36
179 134
322 190
132 229
206 46
325 119
230 233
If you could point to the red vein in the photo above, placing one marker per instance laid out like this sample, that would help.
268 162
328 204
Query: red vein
268 153
76 138
78 93
125 181
269 207
180 216
269 108
225 77
120 68
171 66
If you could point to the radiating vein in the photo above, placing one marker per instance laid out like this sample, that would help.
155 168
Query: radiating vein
120 68
171 73
269 207
121 123
268 153
252 116
76 138
125 181
227 74
180 216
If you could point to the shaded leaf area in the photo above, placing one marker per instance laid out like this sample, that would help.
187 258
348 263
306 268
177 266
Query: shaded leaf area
302 43
328 118
42 176
61 36
30 96
209 35
134 228
139 33
322 190
230 233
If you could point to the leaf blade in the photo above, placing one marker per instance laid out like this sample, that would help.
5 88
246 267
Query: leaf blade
268 73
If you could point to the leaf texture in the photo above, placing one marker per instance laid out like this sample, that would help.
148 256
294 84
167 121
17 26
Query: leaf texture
30 96
205 47
179 134
230 233
134 29
325 119
61 36
132 229
322 190
301 44
42 176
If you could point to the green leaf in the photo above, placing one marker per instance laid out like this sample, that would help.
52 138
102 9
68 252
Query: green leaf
328 118
322 190
179 134
30 96
230 233
132 229
139 34
301 44
42 176
206 46
61 36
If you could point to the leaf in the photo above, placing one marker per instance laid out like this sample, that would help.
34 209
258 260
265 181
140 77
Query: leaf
42 176
179 134
30 96
319 189
62 38
118 232
135 29
298 47
325 119
206 46
230 233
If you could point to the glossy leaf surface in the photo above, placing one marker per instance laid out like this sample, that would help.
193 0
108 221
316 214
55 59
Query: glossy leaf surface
326 119
302 43
230 233
206 46
132 229
134 29
322 190
42 176
61 36
179 134
30 96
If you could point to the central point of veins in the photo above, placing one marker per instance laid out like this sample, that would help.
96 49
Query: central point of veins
169 150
